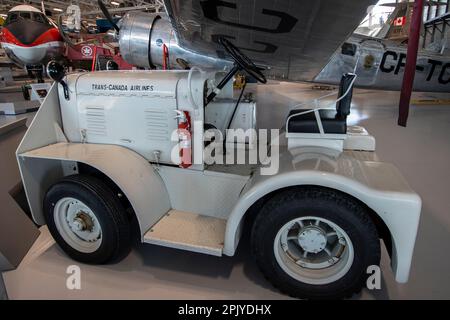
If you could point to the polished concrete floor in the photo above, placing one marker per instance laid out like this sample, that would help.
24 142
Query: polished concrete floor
421 151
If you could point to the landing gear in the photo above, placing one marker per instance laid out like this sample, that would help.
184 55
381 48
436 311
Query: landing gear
36 72
87 220
315 243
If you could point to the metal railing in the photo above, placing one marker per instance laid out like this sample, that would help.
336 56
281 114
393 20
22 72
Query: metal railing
436 20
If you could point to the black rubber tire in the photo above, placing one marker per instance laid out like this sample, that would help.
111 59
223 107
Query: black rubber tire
116 229
337 207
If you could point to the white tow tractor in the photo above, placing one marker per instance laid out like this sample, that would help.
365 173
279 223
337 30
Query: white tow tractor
109 147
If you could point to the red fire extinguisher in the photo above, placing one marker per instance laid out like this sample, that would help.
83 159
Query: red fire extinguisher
184 138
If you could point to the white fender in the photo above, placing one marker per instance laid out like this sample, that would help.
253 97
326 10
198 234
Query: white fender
377 184
134 175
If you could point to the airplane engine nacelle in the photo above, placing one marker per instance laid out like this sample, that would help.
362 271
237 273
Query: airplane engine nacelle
148 40
136 38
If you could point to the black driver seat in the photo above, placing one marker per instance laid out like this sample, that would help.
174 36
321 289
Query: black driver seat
333 121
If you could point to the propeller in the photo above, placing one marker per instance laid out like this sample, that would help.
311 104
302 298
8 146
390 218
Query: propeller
107 15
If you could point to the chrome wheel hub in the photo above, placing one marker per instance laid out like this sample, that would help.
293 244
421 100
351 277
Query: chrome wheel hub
313 250
312 239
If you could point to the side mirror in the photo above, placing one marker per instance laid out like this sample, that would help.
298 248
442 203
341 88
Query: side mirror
112 65
57 72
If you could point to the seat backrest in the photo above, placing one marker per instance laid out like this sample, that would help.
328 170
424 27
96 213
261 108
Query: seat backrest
343 105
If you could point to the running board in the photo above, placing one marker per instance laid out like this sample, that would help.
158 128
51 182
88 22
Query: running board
188 231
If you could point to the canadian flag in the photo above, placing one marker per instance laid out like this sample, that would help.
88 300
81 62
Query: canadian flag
400 21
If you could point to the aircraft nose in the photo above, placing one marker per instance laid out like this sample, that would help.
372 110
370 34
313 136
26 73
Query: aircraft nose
27 33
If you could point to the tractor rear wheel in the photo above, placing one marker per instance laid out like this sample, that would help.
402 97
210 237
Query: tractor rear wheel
87 220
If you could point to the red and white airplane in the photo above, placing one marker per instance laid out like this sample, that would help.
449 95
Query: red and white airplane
29 38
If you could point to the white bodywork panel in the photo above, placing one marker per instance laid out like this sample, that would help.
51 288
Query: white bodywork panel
359 139
37 176
377 184
208 193
139 114
46 124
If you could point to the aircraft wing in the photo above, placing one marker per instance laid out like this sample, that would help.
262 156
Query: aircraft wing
293 39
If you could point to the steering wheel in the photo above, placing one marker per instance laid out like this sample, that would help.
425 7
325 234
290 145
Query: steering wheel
242 60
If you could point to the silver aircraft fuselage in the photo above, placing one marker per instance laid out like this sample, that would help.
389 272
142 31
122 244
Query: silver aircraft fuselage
380 64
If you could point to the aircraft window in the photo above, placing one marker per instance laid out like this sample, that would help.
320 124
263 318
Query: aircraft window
25 15
11 18
38 17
